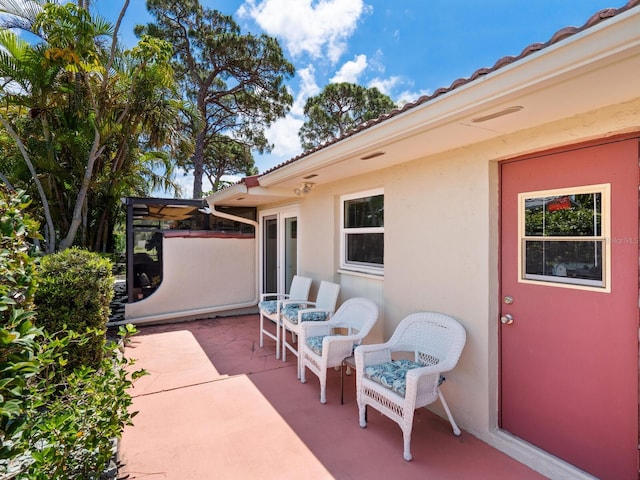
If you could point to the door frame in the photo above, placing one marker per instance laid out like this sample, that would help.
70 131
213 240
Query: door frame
280 214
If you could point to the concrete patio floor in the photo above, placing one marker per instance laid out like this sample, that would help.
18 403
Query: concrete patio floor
217 406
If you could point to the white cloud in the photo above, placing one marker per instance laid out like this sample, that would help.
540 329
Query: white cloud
385 85
409 96
184 180
375 63
317 28
308 88
351 70
284 135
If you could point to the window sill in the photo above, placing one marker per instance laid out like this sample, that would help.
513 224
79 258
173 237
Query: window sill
356 273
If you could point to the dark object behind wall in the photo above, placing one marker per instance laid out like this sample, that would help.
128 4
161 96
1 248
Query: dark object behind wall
150 219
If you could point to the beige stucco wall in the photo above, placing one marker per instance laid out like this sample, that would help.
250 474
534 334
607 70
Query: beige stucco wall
441 247
318 227
201 276
438 256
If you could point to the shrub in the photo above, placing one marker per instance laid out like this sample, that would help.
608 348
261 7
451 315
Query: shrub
18 336
17 279
71 424
55 422
74 293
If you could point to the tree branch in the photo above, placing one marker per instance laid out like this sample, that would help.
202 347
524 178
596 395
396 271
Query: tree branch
43 198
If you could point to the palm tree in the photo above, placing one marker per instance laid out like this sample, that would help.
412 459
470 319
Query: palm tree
93 115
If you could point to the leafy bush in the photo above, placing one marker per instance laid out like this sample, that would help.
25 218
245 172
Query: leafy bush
55 422
17 269
71 425
18 336
74 292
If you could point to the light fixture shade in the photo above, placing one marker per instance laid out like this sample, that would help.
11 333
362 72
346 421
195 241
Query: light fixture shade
303 188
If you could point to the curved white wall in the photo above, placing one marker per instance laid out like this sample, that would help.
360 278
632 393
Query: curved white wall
201 276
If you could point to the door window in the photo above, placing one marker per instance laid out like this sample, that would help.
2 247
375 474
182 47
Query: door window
563 237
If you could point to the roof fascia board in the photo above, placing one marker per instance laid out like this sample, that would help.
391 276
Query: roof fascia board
219 198
271 192
604 42
229 192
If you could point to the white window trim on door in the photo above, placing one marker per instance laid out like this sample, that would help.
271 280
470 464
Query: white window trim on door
605 237
281 214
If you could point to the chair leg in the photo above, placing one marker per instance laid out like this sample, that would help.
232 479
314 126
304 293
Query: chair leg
303 379
456 430
284 343
406 437
362 412
278 339
323 388
261 330
342 383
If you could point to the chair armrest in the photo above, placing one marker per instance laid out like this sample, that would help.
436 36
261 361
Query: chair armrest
335 348
422 385
314 329
372 355
297 302
415 373
313 310
279 296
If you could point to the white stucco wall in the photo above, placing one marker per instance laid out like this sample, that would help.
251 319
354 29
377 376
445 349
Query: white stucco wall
438 256
320 245
201 276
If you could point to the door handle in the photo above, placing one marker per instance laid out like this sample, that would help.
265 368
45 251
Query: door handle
506 319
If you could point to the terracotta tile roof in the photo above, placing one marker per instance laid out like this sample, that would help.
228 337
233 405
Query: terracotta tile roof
252 181
560 35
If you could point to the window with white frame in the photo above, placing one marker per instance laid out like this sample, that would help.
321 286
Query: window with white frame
563 237
362 232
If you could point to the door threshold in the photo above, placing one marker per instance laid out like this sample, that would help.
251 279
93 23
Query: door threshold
535 458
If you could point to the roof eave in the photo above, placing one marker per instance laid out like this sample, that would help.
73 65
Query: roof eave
595 47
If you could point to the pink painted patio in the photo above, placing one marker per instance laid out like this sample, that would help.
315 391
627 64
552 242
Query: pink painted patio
216 405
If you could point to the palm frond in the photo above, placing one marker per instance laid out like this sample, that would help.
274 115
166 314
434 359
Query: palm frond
13 44
101 25
20 13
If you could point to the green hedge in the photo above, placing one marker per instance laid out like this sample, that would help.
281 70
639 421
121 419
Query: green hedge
74 292
56 422
18 336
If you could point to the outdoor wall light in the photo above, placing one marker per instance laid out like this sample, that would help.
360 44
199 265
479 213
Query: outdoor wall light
303 188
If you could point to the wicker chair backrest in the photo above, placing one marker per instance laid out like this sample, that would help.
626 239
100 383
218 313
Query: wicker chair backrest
433 337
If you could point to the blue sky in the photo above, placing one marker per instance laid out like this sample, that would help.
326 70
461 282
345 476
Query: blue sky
406 48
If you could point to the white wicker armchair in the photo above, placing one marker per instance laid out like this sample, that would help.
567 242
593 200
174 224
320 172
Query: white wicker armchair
294 313
396 386
271 305
324 345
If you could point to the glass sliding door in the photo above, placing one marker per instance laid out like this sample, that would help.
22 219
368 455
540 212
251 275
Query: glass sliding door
270 254
279 249
290 249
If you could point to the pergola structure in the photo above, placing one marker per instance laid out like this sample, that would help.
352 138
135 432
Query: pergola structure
149 216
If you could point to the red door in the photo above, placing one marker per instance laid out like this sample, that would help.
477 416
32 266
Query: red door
569 311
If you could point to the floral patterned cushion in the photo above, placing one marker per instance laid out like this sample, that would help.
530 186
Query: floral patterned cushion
269 306
393 375
315 344
290 312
